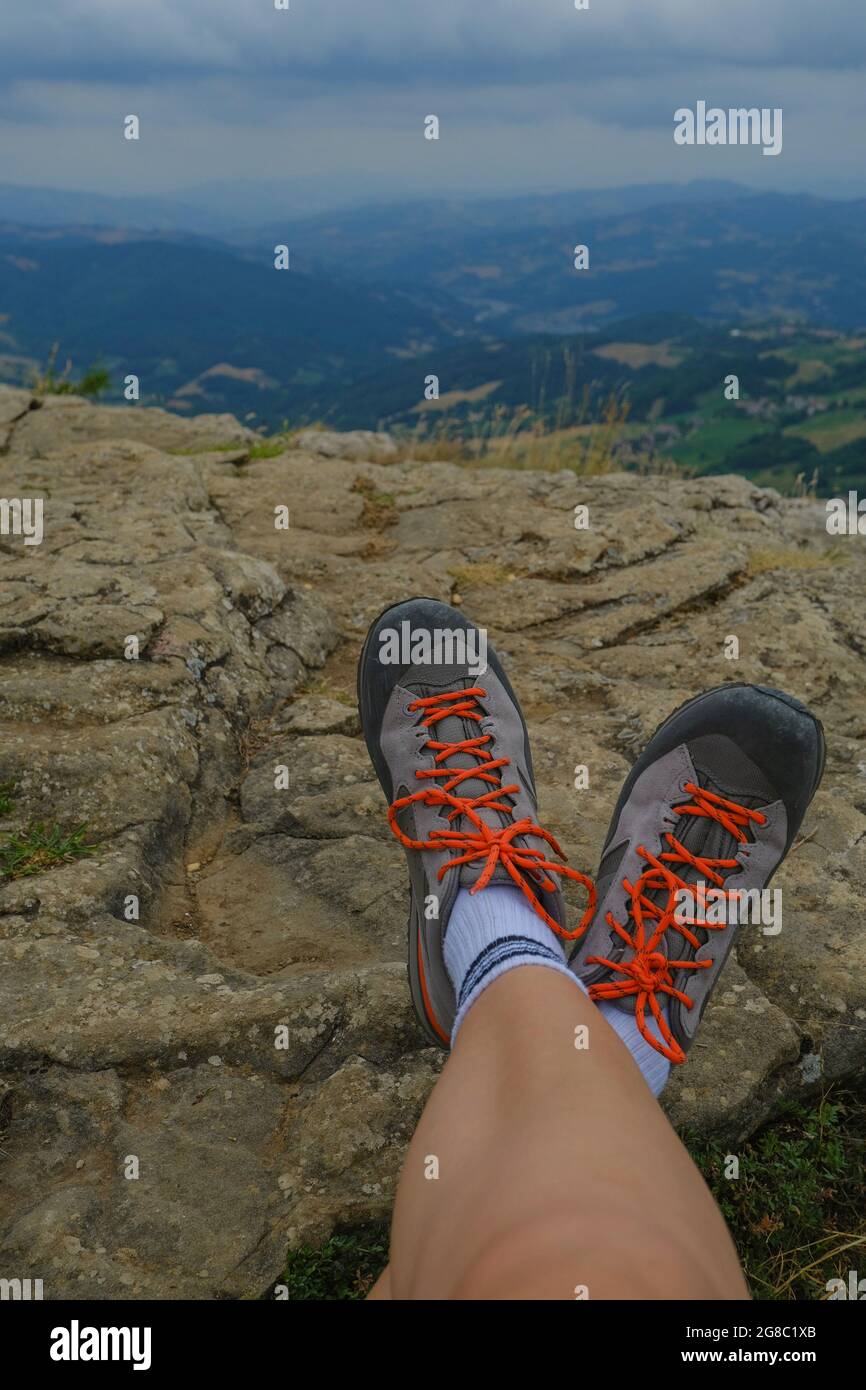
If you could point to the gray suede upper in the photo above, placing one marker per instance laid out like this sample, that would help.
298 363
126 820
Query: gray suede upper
646 818
402 738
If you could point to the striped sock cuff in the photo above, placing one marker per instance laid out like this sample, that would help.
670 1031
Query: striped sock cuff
494 953
497 958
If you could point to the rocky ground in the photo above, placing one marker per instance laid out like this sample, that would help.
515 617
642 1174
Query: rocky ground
245 1042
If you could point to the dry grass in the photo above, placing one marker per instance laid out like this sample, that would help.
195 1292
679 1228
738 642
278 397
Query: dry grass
766 558
485 574
379 509
581 437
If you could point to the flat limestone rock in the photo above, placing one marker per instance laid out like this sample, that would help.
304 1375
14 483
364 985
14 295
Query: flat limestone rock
354 444
61 421
14 403
217 987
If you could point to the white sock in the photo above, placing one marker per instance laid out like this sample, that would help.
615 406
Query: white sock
495 930
489 933
653 1065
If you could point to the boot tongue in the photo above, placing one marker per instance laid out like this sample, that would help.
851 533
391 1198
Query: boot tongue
707 838
455 729
704 836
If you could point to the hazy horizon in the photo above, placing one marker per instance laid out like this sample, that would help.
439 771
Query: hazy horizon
212 209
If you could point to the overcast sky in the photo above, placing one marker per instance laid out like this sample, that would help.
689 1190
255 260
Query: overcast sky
530 93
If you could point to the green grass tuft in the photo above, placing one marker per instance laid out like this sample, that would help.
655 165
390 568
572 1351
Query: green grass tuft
227 447
272 448
40 847
797 1211
6 790
345 1268
50 382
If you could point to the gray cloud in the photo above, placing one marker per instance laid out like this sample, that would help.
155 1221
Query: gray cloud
530 92
409 39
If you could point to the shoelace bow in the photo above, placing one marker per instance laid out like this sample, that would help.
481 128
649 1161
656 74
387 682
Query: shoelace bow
484 842
649 973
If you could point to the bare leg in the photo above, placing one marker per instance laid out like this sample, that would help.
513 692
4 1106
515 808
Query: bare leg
382 1287
558 1172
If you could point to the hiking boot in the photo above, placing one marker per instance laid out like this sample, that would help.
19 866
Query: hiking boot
450 748
710 808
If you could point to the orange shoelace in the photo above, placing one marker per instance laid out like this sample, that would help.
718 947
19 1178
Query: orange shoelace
649 972
494 846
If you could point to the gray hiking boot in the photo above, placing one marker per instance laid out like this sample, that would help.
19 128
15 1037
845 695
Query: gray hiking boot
710 809
449 744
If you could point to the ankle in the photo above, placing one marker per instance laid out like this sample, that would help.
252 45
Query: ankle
489 934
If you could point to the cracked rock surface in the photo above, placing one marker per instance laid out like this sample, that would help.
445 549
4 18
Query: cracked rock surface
207 1051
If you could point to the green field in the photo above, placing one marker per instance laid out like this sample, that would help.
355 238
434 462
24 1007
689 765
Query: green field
799 423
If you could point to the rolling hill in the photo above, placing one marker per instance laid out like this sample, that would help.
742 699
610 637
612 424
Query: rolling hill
685 285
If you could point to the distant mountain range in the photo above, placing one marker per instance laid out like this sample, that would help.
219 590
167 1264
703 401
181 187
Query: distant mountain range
230 208
714 254
483 294
202 326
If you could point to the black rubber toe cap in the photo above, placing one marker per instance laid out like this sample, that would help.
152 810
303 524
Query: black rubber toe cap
774 730
376 679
